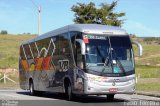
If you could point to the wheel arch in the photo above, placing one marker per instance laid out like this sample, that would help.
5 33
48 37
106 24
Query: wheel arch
66 81
30 81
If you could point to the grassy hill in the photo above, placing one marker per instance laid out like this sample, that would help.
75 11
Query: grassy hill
9 49
148 66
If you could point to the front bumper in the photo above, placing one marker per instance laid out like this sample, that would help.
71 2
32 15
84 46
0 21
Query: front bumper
97 89
126 85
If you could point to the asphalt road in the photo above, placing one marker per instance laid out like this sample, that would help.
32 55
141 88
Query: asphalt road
22 98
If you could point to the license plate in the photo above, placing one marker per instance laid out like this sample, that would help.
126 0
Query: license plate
113 89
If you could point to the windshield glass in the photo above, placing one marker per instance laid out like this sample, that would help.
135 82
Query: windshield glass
109 54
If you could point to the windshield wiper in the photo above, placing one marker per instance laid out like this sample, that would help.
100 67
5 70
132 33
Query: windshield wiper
107 63
109 60
120 64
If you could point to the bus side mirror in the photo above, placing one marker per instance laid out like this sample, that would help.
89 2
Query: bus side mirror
139 47
83 47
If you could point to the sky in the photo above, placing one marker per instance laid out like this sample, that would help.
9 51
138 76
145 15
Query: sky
21 16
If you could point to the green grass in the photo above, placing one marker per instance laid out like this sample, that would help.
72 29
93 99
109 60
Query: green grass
151 55
148 71
151 49
151 61
9 49
148 87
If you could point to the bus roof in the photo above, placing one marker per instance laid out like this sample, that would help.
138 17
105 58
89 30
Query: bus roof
85 28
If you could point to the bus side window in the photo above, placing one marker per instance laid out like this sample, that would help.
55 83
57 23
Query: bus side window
27 51
78 56
34 49
64 45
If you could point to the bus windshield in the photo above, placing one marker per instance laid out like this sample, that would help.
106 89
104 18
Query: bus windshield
109 55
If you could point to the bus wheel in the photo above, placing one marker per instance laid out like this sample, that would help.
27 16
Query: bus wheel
31 88
110 97
69 92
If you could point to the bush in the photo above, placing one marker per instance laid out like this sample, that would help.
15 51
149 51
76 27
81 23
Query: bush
4 32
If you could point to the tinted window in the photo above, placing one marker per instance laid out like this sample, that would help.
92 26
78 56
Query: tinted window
64 44
51 48
22 53
34 49
43 46
27 51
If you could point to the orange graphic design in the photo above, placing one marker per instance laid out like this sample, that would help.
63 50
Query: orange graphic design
25 65
46 62
42 61
51 67
39 63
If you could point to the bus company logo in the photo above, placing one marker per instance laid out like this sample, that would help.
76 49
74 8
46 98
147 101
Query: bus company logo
116 80
63 65
113 84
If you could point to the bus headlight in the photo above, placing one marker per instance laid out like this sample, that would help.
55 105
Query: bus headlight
95 78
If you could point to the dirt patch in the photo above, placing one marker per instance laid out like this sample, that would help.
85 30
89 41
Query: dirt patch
8 71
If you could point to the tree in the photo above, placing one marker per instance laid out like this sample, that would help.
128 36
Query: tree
4 32
88 13
133 35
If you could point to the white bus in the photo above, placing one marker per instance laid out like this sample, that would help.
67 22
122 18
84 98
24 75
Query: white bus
79 59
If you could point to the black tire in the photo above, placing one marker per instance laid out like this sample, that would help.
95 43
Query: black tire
68 92
110 97
31 89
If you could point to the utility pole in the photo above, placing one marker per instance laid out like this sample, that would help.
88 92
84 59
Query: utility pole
39 20
39 16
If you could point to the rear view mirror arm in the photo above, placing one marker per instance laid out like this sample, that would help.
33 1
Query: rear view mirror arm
139 47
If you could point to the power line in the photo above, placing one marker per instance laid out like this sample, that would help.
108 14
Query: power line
33 2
